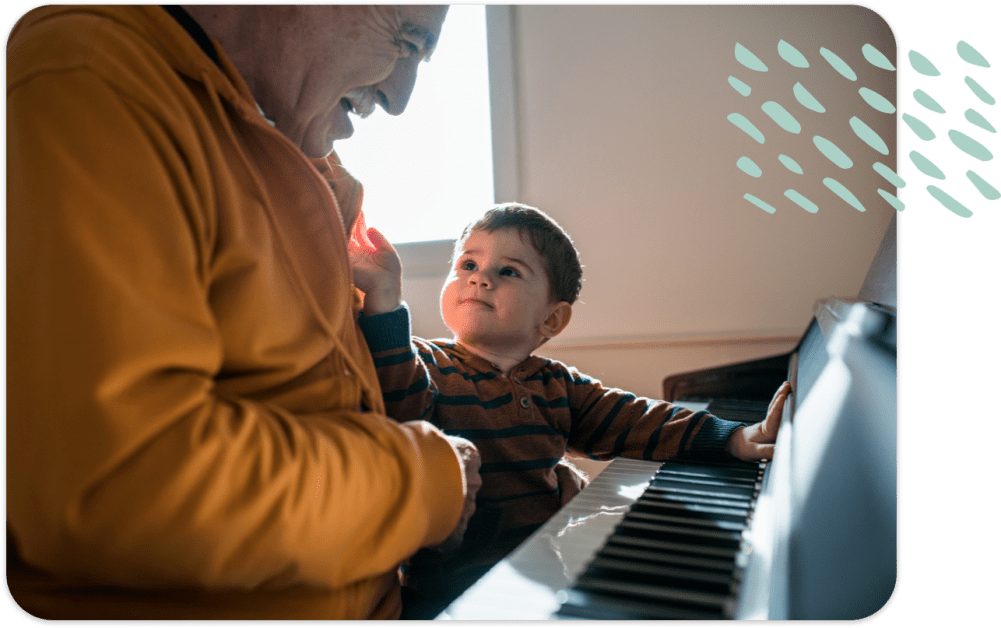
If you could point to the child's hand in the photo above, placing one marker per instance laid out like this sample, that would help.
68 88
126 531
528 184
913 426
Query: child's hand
376 268
756 442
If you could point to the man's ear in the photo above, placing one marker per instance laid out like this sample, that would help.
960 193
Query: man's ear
557 320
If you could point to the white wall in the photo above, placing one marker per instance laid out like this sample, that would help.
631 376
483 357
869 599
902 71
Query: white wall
622 136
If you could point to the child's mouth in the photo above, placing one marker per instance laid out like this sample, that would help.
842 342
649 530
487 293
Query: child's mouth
476 302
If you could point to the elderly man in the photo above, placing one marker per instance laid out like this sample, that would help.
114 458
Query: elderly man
194 424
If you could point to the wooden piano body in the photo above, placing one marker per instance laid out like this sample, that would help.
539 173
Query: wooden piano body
809 535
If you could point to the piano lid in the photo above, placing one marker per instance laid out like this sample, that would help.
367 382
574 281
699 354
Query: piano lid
880 284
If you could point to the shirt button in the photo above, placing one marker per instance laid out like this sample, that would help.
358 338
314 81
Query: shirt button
524 402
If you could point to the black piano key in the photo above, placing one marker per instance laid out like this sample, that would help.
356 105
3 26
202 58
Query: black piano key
609 567
654 497
696 497
705 466
654 592
593 605
709 478
722 471
682 547
669 558
692 511
656 517
695 536
739 482
702 487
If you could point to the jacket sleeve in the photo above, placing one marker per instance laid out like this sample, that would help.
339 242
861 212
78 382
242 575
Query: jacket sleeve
407 388
608 422
130 467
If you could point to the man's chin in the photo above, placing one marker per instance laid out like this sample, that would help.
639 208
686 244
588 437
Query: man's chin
320 145
319 150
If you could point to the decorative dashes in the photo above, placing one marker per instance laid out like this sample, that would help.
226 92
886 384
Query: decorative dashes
970 140
788 122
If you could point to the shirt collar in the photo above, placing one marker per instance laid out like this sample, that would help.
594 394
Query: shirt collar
528 367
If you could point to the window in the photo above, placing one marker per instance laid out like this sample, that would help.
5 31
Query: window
429 171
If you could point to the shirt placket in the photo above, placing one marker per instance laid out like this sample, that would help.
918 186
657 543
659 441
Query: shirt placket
522 398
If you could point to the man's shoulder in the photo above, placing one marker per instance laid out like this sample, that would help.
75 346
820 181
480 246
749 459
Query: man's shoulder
123 45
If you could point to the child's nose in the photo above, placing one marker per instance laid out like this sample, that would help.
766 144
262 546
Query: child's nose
479 278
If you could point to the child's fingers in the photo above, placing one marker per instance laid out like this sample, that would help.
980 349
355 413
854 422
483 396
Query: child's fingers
751 450
776 405
376 238
379 241
765 452
359 233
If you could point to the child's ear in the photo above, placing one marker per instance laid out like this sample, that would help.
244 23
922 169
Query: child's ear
557 320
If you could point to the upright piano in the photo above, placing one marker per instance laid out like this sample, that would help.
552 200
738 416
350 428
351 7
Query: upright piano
809 535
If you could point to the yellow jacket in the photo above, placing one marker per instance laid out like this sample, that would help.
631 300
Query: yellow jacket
194 423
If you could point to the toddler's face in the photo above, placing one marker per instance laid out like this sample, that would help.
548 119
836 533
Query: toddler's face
497 293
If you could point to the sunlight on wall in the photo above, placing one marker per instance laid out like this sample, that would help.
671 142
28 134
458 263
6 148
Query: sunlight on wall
428 172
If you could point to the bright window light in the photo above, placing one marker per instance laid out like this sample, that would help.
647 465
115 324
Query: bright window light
429 171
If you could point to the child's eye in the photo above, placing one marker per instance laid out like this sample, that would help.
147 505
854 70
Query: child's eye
467 265
507 271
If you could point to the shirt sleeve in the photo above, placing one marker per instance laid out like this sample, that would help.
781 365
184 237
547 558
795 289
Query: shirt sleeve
131 468
407 388
608 422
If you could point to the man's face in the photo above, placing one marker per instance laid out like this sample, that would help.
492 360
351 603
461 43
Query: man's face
497 294
348 59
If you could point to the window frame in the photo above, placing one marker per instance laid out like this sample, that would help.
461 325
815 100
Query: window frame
431 257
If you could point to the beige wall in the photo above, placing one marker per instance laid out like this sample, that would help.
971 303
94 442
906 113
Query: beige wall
623 138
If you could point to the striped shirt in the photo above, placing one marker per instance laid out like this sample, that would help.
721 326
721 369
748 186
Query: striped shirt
523 423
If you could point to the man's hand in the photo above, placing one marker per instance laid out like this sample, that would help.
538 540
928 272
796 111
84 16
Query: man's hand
756 442
376 268
470 457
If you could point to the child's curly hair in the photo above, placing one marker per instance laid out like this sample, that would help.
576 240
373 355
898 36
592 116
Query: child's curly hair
549 239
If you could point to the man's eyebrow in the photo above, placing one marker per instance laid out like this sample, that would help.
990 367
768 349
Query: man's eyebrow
430 41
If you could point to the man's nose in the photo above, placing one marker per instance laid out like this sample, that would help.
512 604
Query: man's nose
394 92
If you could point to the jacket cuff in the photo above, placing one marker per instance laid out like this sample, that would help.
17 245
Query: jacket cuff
441 485
384 332
710 441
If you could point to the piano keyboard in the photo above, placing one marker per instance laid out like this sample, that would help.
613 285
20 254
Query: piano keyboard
678 552
644 540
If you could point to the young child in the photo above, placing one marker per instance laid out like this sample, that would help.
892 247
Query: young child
515 276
